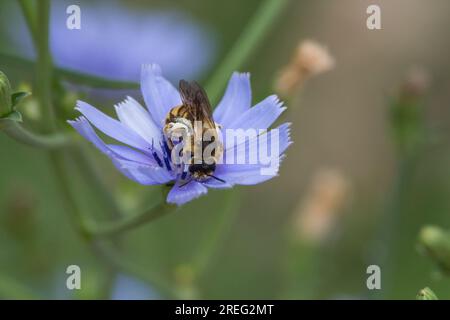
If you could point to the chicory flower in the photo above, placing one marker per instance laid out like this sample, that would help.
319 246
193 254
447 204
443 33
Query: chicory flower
143 155
116 39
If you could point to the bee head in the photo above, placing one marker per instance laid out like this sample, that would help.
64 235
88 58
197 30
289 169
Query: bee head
203 171
202 168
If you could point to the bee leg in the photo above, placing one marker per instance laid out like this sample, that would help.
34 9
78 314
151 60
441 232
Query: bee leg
189 181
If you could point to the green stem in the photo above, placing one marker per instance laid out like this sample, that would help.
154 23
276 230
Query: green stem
245 46
44 66
70 75
96 180
28 9
130 222
107 252
382 252
58 160
17 132
224 221
44 81
266 15
94 81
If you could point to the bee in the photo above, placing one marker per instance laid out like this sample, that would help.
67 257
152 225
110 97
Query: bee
182 122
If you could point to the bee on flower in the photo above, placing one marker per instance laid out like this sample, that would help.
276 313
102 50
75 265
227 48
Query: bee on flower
149 154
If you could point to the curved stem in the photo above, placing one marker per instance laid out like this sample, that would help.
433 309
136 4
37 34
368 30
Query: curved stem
17 132
58 160
94 81
128 223
44 77
107 252
70 75
88 168
245 46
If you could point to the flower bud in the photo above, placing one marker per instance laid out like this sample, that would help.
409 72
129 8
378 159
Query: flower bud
437 245
310 59
5 95
407 112
426 294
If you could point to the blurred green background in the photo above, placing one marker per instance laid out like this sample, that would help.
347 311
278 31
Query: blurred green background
340 120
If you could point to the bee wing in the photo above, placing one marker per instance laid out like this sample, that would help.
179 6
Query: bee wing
197 102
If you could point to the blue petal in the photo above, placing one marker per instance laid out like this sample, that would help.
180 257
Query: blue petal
250 146
261 116
180 195
131 154
131 163
159 94
249 174
215 184
244 174
135 117
112 127
236 101
143 174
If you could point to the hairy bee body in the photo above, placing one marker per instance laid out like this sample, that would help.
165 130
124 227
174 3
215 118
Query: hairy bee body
191 124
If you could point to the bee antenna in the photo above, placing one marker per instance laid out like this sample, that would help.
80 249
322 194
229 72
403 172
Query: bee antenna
218 179
182 185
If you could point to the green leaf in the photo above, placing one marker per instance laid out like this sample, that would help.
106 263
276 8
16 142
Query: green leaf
426 294
5 95
13 116
16 97
8 119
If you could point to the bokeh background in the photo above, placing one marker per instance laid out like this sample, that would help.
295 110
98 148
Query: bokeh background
254 242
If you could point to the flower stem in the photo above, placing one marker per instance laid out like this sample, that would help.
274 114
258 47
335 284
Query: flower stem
130 222
30 18
58 160
213 241
17 132
265 16
95 180
44 66
382 252
69 75
44 80
107 252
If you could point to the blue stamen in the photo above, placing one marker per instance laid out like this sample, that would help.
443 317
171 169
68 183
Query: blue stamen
166 147
155 155
166 155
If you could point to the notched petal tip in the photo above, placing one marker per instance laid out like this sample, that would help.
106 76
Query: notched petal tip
260 116
241 75
77 120
151 67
